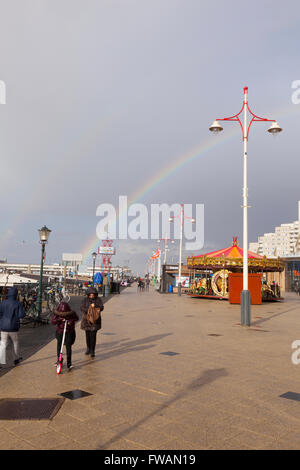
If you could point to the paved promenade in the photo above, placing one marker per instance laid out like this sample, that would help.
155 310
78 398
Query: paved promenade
220 389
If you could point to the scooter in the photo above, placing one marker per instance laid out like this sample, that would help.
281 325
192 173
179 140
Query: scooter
60 358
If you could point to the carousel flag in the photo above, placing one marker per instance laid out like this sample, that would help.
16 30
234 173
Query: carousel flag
156 254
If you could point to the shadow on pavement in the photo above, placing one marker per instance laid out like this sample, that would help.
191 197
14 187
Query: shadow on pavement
124 348
207 377
263 320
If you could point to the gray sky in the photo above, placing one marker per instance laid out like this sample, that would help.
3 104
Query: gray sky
102 95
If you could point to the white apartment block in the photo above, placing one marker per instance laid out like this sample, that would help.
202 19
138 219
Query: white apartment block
285 241
253 246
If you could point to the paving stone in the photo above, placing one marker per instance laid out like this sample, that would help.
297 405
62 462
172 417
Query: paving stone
73 445
19 444
96 441
110 420
229 444
61 420
179 444
282 444
34 428
123 444
145 436
48 441
73 429
253 440
81 412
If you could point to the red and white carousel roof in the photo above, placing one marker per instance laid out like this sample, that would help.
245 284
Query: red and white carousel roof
233 251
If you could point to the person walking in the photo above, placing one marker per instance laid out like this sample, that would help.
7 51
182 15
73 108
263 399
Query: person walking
91 309
141 285
63 314
11 311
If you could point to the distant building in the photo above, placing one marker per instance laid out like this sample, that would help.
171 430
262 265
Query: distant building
58 270
253 246
51 269
283 242
116 271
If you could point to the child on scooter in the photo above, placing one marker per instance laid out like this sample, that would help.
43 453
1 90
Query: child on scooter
63 314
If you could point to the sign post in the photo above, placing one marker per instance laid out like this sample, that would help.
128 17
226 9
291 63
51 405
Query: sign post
106 251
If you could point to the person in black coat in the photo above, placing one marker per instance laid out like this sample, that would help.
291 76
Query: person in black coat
11 311
89 328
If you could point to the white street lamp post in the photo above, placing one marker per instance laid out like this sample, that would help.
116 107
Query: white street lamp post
158 265
274 129
180 250
171 219
165 240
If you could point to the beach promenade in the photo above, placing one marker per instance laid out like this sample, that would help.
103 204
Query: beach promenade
170 373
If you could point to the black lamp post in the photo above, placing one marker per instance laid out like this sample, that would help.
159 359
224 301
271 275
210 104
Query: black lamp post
44 235
94 255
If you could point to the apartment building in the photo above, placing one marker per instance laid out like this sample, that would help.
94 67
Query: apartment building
284 241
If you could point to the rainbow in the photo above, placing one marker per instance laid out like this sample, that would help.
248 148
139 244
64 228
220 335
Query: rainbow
210 143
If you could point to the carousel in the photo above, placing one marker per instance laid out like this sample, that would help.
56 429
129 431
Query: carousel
210 272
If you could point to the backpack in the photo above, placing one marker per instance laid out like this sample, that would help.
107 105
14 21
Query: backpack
93 314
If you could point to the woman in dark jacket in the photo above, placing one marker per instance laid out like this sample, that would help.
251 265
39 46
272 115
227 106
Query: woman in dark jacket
90 329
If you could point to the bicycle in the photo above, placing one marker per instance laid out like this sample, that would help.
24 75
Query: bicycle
32 313
51 300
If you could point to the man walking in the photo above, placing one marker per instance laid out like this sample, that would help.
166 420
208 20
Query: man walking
11 311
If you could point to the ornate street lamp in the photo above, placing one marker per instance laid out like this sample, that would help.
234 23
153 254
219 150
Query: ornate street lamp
274 129
216 128
94 256
166 248
44 235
